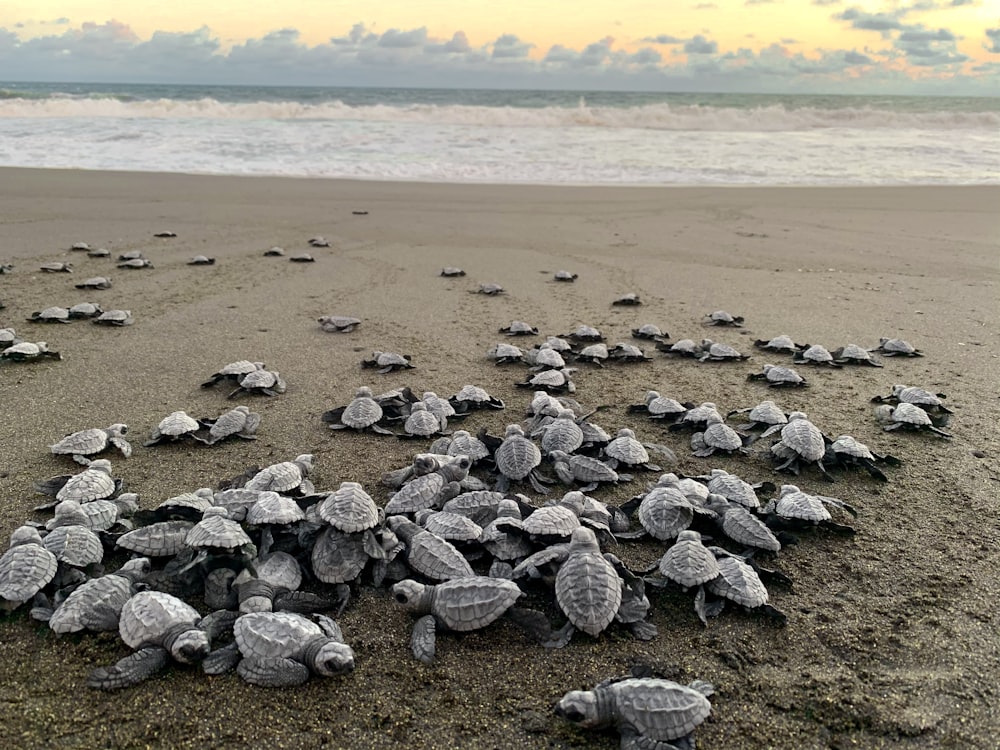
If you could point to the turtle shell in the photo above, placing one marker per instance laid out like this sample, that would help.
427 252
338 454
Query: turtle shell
733 489
722 437
738 582
551 520
562 434
93 483
176 424
422 492
517 456
626 449
482 506
471 603
274 635
51 315
664 513
149 615
658 710
338 557
114 318
280 477
74 545
24 570
349 509
85 442
362 412
273 508
689 562
162 539
805 438
588 589
795 504
217 531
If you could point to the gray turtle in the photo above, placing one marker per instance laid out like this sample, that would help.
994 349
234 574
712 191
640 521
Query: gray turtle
422 423
80 445
93 483
319 241
463 443
588 588
25 568
688 562
85 310
713 352
723 318
8 338
452 527
363 413
596 354
907 416
648 712
386 362
565 276
95 282
263 382
663 512
136 263
429 554
562 433
27 351
349 509
114 318
801 441
274 252
75 545
431 489
96 605
282 649
697 417
459 605
239 422
649 332
201 260
625 352
852 354
660 407
630 299
173 427
99 252
519 328
516 459
56 268
159 627
97 515
796 509
286 476
160 539
718 436
907 394
234 372
888 347
51 315
738 582
585 334
731 487
338 323
590 472
505 354
490 290
742 526
339 557
778 376
626 450
681 348
471 397
780 343
814 354
450 271
551 381
80 246
302 257
848 451
131 255
767 415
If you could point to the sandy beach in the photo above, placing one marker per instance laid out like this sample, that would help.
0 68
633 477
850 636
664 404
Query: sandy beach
891 639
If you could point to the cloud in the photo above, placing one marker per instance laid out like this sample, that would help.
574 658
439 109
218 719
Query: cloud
994 41
699 45
856 58
663 39
509 46
758 2
396 39
458 44
826 2
860 19
706 6
920 34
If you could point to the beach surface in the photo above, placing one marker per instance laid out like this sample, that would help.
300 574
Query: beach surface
892 634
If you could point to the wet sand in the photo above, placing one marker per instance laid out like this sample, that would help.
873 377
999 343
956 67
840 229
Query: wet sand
892 634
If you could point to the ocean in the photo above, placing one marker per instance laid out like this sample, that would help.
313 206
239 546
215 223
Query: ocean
501 136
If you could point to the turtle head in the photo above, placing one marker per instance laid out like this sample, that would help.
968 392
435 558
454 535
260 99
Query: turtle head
190 646
119 429
332 659
412 595
581 708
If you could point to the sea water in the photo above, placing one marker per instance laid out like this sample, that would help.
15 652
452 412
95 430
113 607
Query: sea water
500 136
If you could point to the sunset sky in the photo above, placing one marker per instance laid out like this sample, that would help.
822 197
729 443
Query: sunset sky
836 46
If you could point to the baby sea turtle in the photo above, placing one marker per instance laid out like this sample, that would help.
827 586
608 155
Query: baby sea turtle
175 426
80 445
519 328
386 362
136 263
594 353
93 483
234 372
588 588
852 354
681 348
661 407
286 476
766 415
96 605
848 451
517 458
201 260
896 348
780 343
627 451
649 332
114 318
131 255
263 382
648 712
629 299
551 381
25 568
302 258
625 352
814 354
566 276
95 282
282 649
505 354
778 376
907 416
159 626
907 394
588 471
422 423
544 357
429 554
741 525
719 352
738 582
165 234
274 252
363 413
471 397
51 315
585 334
239 422
451 271
99 252
56 268
459 605
490 290
85 310
80 246
8 338
319 241
27 352
723 318
338 323
795 509
801 441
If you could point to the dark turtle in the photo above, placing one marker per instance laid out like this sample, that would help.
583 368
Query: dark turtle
99 252
28 352
386 362
629 299
780 343
778 376
723 318
95 282
302 258
908 417
274 252
85 310
234 372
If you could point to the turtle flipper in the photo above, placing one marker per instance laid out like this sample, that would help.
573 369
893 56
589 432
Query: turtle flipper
273 672
131 670
424 638
222 660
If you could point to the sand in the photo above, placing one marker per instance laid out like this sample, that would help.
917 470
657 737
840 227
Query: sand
892 634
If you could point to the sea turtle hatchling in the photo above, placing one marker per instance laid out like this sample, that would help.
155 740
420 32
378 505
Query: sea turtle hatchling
93 483
283 649
596 354
136 263
551 381
458 605
96 605
648 712
852 354
907 416
660 407
239 422
814 354
801 441
80 247
386 362
51 315
505 354
848 451
286 476
516 458
27 351
795 509
131 255
723 318
888 347
779 376
274 252
907 394
338 323
490 290
587 586
780 343
114 318
173 427
625 352
301 258
423 423
363 413
158 626
234 371
470 397
711 351
85 310
56 268
263 382
201 260
585 334
8 338
628 299
565 276
766 415
450 271
519 328
649 332
85 443
681 348
99 252
95 282
25 568
738 582
319 241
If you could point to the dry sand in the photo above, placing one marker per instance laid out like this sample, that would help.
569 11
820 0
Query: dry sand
892 639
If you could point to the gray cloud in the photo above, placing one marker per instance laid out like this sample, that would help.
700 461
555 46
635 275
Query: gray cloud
856 58
920 34
509 46
860 19
396 39
993 35
699 45
826 2
663 39
706 6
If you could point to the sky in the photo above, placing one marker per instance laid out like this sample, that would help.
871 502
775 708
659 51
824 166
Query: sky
765 46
